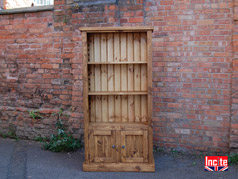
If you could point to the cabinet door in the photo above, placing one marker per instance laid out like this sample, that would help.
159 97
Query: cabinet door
134 146
102 146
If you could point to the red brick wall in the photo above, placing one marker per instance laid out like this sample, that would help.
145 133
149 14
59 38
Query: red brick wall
192 58
41 61
234 118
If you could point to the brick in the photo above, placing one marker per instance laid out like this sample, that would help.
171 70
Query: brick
167 2
206 22
112 7
183 131
47 66
136 19
174 115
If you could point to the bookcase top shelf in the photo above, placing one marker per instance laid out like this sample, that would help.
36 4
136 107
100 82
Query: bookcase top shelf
116 29
116 63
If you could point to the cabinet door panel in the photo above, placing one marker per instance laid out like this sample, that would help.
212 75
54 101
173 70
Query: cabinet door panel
134 146
101 146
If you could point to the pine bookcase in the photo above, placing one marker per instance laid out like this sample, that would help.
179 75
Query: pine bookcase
117 94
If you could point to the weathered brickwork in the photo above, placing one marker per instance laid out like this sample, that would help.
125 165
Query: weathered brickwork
194 68
234 112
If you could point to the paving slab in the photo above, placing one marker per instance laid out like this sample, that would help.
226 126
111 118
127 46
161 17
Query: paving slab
34 163
6 150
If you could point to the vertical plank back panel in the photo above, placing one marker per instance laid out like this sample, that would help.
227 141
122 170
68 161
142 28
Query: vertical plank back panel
110 57
143 59
92 109
91 48
123 52
130 56
137 76
104 78
105 114
117 71
117 68
137 55
124 77
97 58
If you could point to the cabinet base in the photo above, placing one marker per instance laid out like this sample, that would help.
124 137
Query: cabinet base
119 167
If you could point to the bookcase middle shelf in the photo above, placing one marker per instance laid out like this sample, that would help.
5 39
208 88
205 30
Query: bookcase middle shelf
94 93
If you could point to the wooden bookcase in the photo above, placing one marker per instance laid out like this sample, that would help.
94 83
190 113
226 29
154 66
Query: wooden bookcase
117 79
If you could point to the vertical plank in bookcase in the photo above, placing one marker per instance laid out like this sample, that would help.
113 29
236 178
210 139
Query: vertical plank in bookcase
91 71
85 94
145 146
123 50
143 66
137 76
149 89
118 146
92 109
117 72
117 108
117 59
97 52
91 48
104 80
111 101
130 56
143 77
124 83
91 146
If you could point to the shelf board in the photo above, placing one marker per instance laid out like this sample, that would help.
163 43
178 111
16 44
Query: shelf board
119 125
116 29
117 93
115 63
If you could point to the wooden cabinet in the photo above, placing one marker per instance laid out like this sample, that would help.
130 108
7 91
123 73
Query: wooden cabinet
101 146
117 77
134 146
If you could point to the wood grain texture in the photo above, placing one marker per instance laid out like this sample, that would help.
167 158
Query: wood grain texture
104 77
101 146
118 93
143 77
117 63
124 77
85 95
149 89
110 58
119 126
115 29
119 167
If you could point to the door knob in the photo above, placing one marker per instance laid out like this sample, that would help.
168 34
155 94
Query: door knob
123 146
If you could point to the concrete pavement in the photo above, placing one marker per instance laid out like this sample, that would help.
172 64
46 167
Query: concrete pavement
25 159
